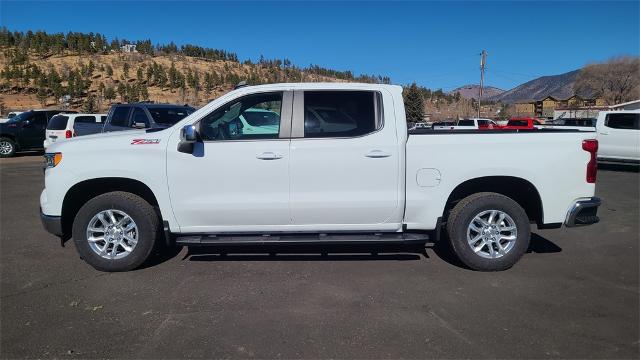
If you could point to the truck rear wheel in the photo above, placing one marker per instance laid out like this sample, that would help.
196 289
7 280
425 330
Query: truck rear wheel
115 231
488 231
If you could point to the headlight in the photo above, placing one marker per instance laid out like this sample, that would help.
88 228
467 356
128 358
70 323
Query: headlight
52 159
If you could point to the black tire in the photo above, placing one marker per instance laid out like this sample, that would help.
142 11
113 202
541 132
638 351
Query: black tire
142 213
9 143
464 212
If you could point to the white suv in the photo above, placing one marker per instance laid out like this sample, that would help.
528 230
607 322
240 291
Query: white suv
61 126
619 136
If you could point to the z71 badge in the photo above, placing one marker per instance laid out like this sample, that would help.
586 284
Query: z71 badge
145 141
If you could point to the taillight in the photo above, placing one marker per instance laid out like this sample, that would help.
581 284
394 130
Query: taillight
68 134
591 146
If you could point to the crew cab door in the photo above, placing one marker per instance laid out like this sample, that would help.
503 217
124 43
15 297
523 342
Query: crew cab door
235 181
33 131
345 163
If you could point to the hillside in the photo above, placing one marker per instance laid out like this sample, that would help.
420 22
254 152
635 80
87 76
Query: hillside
471 91
88 72
560 86
123 77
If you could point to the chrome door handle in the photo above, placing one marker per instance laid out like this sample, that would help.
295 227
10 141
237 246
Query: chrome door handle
268 155
376 154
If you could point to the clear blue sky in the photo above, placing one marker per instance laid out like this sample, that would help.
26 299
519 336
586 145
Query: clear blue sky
433 43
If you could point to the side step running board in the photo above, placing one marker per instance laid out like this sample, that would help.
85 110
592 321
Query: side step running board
253 239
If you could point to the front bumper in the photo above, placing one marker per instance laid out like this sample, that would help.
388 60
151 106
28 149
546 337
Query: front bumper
583 212
53 224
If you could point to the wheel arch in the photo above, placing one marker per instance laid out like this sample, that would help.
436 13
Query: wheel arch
520 190
11 137
86 190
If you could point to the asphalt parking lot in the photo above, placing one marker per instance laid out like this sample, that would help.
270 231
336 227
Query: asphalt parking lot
574 295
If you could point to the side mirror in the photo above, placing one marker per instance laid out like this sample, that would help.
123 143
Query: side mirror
188 137
26 123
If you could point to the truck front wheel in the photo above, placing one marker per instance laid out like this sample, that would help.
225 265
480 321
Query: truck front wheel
115 231
488 231
7 147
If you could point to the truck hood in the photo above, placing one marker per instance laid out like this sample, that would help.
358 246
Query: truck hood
108 140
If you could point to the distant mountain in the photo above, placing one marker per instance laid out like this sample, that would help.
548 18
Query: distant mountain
558 86
471 91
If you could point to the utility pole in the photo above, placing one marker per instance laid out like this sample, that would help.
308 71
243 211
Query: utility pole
483 60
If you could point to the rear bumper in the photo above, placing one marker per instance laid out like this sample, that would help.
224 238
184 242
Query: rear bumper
583 212
53 224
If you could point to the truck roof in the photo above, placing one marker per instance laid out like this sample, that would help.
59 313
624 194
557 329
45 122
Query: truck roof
322 86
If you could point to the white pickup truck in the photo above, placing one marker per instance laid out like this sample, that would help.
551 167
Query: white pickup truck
340 167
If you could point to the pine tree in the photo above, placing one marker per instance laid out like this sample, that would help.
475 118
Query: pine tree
90 105
109 93
413 103
42 95
122 91
125 70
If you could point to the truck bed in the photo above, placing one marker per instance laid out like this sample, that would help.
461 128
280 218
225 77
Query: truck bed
551 159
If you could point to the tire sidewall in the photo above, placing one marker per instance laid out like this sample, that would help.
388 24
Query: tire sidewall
146 233
13 146
462 221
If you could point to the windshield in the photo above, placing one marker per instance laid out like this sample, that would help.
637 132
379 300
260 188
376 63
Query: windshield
261 118
168 115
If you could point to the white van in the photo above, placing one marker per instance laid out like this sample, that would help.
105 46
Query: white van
619 136
60 126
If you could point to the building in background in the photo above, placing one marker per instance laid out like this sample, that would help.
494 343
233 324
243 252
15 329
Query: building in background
551 107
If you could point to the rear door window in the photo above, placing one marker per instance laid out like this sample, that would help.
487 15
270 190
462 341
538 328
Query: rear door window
40 118
120 116
58 122
139 117
465 123
340 113
623 121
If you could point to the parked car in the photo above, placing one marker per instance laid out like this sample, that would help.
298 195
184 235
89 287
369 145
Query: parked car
482 124
374 183
619 136
469 124
61 126
443 125
25 131
581 122
521 124
136 116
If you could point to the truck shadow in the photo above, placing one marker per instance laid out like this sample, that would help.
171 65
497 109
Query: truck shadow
538 245
306 252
